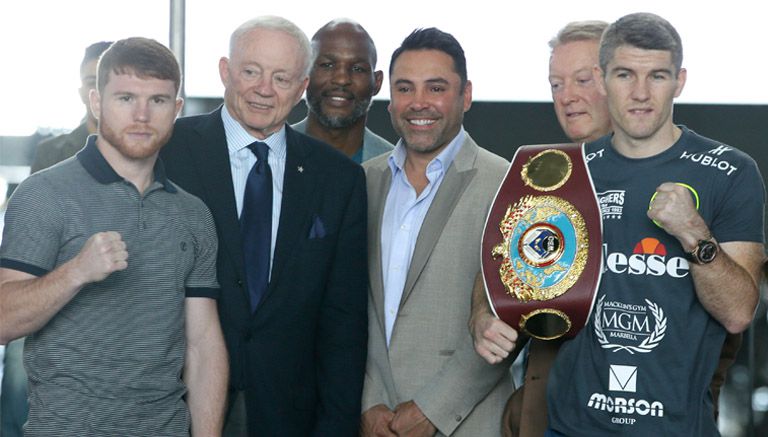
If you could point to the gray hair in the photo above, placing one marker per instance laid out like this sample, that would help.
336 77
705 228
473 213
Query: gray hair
280 24
579 31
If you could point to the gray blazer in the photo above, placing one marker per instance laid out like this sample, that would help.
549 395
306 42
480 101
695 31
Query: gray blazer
431 358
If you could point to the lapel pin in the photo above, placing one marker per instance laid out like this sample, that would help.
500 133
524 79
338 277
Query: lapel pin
300 169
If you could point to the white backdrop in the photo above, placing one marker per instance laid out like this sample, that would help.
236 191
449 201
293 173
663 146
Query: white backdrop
505 43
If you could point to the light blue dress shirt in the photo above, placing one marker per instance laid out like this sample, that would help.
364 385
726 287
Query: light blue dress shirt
241 159
404 214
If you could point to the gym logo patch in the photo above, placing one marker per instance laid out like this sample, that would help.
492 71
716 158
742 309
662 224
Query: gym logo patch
629 327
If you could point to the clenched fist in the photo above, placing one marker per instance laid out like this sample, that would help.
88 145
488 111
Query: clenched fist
493 338
102 254
672 207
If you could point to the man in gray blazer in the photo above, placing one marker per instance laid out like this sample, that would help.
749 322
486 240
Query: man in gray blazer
427 204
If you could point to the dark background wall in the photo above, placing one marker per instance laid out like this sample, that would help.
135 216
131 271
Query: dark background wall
503 126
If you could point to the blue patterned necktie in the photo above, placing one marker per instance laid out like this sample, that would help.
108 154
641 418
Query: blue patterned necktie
256 224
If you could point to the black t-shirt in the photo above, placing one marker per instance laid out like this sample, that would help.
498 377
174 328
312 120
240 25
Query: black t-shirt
643 364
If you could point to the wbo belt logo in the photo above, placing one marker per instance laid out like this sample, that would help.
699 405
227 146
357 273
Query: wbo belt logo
541 244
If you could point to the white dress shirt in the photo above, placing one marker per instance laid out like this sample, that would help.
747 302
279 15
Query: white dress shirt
241 159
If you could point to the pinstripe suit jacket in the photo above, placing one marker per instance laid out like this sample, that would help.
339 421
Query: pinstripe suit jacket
299 358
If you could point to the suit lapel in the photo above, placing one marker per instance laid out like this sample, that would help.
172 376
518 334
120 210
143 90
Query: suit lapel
219 190
459 174
379 180
299 183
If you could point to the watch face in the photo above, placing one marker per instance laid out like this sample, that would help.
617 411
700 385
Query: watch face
707 251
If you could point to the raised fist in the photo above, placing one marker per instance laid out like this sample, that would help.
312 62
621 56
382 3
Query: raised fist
102 254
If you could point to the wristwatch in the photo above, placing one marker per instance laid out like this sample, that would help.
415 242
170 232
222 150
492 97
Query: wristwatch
704 252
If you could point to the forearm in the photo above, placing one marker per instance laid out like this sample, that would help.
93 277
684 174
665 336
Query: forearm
728 286
493 339
206 374
28 302
480 306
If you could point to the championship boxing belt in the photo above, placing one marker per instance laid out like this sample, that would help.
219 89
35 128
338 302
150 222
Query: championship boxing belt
541 248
